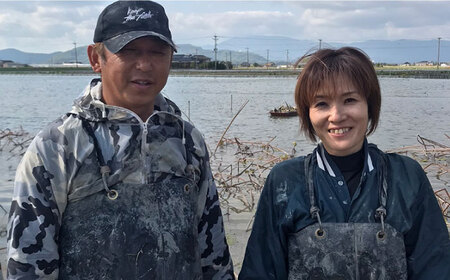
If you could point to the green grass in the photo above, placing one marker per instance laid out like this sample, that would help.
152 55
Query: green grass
385 71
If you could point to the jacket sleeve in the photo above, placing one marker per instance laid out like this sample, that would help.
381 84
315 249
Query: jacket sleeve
215 256
427 242
32 245
265 255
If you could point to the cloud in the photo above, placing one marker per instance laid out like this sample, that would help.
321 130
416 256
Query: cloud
46 26
358 21
331 21
191 27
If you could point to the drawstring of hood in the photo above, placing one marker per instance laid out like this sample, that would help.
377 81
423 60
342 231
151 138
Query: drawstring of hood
104 115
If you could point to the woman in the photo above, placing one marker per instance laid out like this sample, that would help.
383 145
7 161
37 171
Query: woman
347 210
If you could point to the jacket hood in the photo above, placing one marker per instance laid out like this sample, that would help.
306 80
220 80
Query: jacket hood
91 107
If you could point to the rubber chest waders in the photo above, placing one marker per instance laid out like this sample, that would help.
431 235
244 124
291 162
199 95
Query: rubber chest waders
131 231
356 251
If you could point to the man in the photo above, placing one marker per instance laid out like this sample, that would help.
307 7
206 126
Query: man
120 187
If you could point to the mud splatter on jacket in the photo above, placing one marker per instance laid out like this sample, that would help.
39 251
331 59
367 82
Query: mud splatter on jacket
284 208
61 167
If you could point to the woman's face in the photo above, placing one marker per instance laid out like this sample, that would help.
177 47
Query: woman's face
339 116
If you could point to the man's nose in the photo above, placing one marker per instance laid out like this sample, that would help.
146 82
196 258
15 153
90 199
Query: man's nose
144 62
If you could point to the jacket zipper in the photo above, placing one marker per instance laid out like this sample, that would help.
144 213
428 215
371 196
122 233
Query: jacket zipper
144 149
144 152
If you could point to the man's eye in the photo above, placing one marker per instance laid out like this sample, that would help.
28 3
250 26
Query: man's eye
159 52
127 51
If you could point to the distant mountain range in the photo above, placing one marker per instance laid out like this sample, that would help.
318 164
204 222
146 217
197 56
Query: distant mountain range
274 48
383 51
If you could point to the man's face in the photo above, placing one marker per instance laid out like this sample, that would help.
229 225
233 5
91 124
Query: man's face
134 76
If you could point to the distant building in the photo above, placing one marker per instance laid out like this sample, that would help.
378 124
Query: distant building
284 66
11 64
424 63
73 64
187 61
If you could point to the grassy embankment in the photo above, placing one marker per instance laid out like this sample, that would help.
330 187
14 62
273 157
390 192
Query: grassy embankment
390 71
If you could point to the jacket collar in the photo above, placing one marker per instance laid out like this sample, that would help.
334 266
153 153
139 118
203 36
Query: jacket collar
91 107
324 163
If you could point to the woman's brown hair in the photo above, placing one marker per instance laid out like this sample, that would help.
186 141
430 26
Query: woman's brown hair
325 68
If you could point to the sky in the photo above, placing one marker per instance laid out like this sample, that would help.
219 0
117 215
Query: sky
50 26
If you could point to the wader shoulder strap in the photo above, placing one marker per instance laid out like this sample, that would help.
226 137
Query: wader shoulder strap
309 178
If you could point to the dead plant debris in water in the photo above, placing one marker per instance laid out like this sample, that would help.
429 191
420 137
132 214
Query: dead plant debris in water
241 178
15 143
434 157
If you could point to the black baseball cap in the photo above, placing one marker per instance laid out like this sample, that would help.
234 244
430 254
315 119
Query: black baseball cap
124 21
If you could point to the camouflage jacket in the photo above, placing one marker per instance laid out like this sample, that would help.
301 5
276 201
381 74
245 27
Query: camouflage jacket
61 166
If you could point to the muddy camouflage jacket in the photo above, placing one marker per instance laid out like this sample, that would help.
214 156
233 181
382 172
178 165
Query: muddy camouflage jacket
61 166
284 208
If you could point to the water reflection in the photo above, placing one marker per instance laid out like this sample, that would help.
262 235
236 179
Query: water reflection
410 106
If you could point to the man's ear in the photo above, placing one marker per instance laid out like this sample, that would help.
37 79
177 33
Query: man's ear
94 59
171 59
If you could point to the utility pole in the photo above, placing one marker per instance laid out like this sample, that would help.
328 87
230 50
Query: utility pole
267 60
287 58
320 44
439 51
231 62
76 58
248 63
196 58
215 51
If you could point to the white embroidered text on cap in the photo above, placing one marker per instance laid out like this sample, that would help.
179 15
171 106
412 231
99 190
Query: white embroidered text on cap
136 15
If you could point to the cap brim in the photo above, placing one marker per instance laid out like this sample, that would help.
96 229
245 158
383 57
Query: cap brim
116 43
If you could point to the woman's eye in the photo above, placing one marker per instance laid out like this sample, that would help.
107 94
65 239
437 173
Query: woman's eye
350 100
320 104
